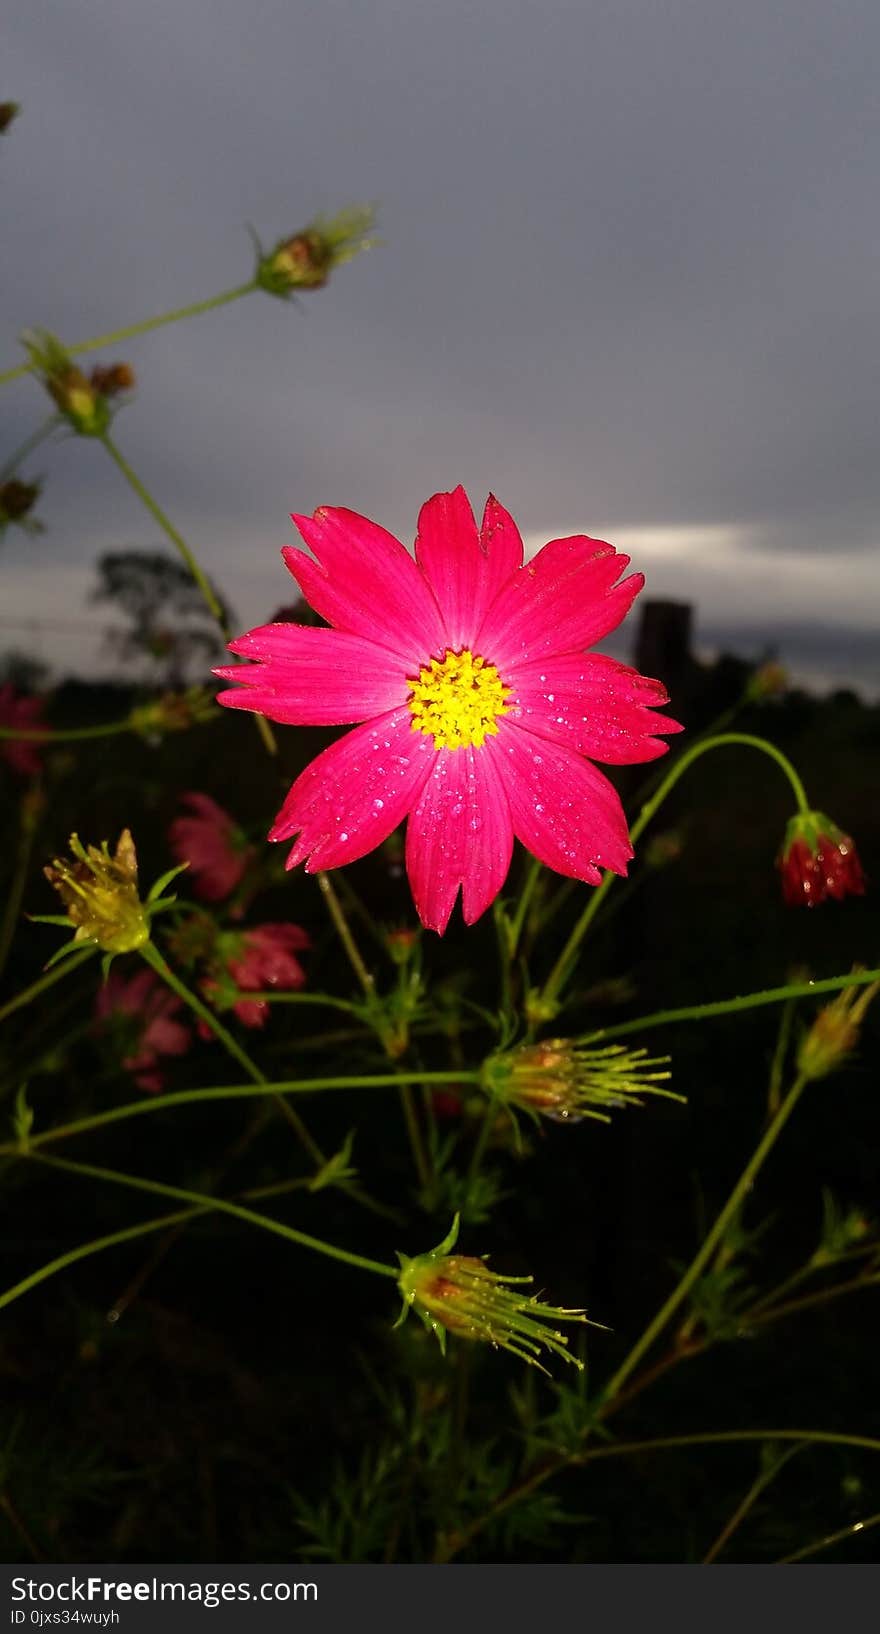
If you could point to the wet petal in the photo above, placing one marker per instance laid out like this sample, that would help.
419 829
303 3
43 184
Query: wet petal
459 835
354 794
465 569
562 601
593 704
564 810
313 677
366 583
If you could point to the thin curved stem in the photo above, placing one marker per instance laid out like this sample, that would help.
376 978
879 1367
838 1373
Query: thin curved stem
272 996
44 982
96 1246
154 958
149 1105
28 446
142 328
729 1007
703 746
115 1177
27 827
70 734
346 936
763 1479
624 1449
710 1243
152 505
827 1542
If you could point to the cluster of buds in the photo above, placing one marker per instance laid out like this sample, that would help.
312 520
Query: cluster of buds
835 1032
458 1294
565 1080
173 712
84 401
17 500
101 898
817 861
306 260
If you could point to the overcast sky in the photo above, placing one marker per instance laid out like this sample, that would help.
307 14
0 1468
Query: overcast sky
630 282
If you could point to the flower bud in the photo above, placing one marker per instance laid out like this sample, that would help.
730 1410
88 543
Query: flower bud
173 712
100 894
306 260
83 406
835 1032
769 680
16 502
8 112
817 861
563 1080
111 379
456 1293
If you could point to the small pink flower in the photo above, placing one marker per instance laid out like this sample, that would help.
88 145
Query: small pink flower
141 1010
212 844
479 702
20 714
251 961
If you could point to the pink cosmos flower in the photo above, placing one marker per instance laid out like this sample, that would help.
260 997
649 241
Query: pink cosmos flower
20 714
479 702
254 960
141 1010
212 844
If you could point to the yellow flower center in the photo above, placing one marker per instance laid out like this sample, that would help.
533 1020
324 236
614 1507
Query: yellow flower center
458 700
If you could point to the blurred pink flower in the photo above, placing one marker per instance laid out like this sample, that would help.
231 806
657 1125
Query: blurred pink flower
141 1010
212 844
252 961
20 714
479 702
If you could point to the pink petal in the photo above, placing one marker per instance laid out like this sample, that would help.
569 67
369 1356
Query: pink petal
563 809
598 707
367 584
314 677
465 569
459 834
354 794
562 601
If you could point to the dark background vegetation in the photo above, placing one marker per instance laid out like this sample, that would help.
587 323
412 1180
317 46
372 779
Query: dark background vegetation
245 1378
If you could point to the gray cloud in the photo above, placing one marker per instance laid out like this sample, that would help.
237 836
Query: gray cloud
629 279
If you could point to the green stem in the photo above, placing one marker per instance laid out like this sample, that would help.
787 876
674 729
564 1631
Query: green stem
827 1542
704 1253
729 1007
71 734
222 1205
167 526
533 874
44 982
702 747
762 1480
337 914
94 1247
227 1092
154 958
27 829
208 593
417 1146
625 1449
142 328
272 996
28 446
